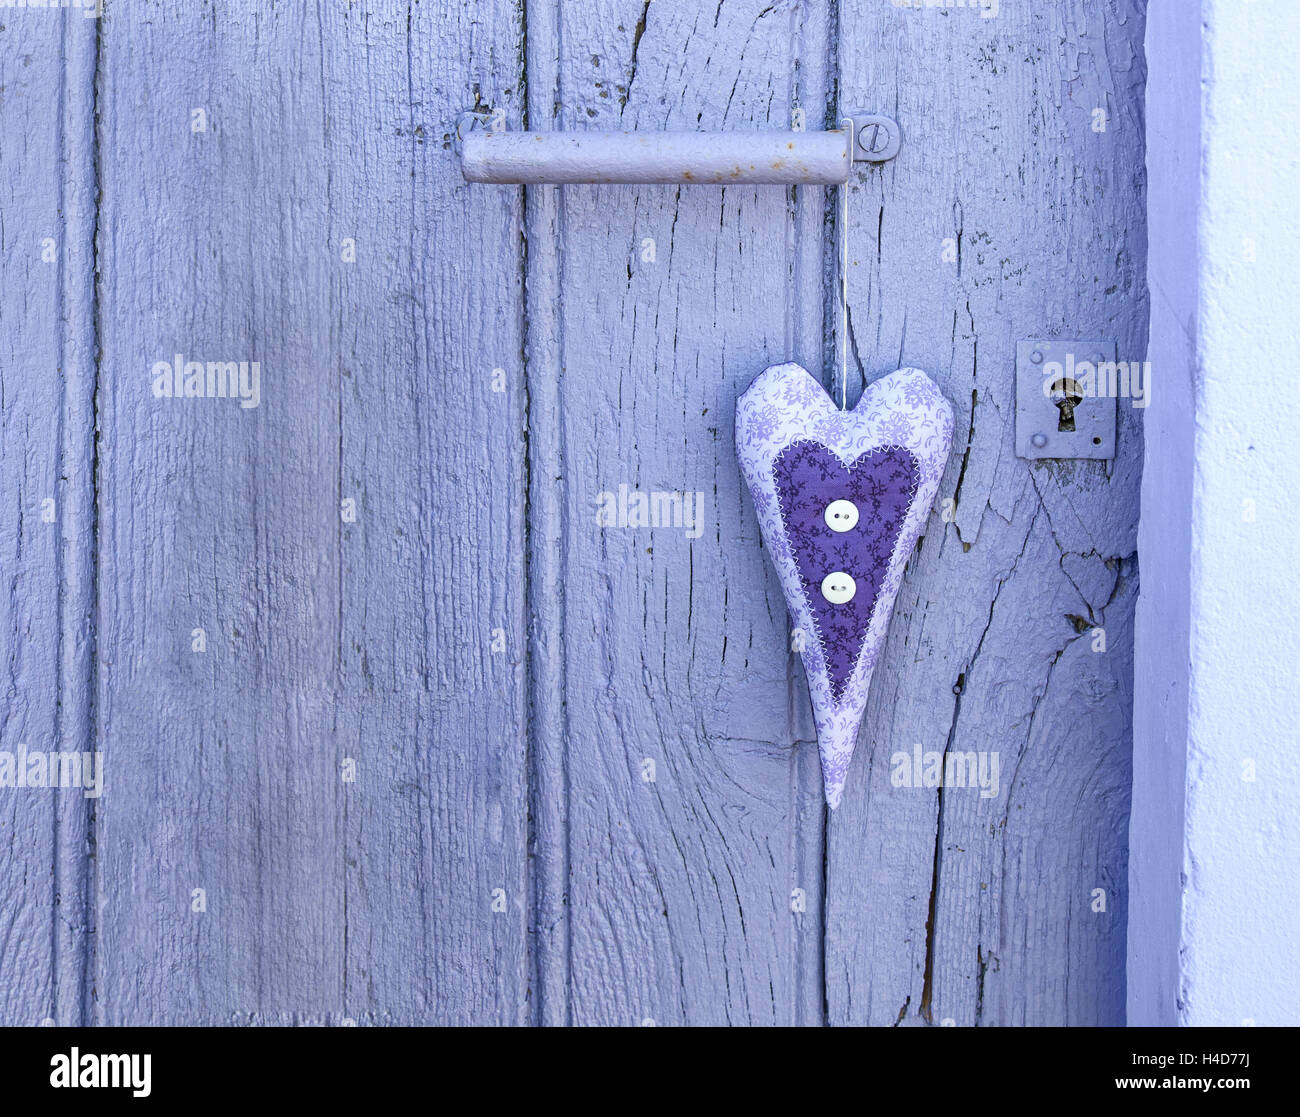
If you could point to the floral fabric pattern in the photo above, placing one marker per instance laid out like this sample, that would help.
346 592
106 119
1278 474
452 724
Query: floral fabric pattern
880 484
798 452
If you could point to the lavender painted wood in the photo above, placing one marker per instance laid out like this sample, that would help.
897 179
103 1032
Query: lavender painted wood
499 665
674 651
945 906
441 593
434 585
348 546
47 377
221 526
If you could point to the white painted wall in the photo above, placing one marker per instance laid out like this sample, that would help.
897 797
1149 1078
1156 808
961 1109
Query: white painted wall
1217 644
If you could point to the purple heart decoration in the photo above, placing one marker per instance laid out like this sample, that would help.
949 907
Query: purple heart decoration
841 498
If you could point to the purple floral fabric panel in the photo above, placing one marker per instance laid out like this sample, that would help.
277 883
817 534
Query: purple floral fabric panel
881 484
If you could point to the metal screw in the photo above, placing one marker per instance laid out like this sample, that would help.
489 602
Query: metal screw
869 137
1039 440
1036 356
878 137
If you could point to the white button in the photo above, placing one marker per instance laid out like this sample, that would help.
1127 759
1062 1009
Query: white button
838 588
841 515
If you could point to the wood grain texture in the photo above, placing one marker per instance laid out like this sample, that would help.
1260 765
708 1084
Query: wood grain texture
47 381
434 591
399 571
336 632
675 650
944 906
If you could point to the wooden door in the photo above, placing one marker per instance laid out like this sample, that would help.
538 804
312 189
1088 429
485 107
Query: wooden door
395 726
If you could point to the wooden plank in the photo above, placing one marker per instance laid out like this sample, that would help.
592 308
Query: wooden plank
434 592
944 906
673 650
336 633
219 547
47 377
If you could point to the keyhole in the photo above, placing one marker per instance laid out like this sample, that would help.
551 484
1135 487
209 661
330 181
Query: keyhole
1067 395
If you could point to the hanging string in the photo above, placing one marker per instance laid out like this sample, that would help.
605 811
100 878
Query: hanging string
844 274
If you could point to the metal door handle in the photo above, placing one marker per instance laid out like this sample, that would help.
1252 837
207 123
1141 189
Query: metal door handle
700 158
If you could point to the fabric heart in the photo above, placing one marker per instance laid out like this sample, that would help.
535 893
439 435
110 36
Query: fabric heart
842 497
